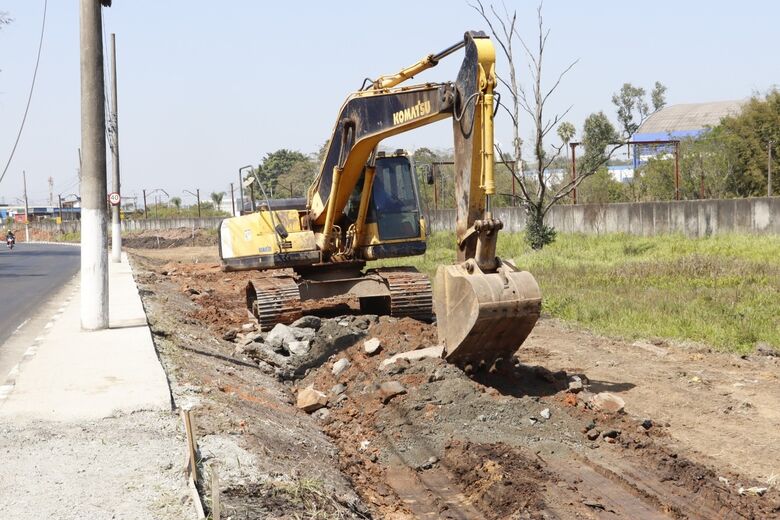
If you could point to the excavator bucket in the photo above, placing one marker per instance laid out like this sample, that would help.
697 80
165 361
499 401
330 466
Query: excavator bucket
484 317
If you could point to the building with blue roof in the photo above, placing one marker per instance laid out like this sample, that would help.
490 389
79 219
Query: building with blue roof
677 122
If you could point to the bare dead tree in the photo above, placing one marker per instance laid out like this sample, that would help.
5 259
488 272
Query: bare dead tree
538 193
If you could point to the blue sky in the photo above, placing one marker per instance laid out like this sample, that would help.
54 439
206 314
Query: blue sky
207 87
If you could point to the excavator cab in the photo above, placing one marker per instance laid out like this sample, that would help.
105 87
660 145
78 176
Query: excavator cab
394 223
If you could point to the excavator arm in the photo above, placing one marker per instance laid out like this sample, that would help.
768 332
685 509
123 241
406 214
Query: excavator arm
485 307
384 109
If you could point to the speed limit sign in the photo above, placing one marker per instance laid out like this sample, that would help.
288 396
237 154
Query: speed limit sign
114 198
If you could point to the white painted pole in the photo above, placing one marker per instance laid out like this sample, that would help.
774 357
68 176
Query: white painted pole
116 225
94 260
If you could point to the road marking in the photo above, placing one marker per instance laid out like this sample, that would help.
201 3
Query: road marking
20 326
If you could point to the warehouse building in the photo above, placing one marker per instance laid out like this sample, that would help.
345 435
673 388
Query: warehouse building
679 122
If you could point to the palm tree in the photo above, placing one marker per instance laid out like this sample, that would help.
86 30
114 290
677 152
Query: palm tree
176 201
216 197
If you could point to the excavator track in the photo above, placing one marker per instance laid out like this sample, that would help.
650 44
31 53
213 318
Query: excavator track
274 299
411 295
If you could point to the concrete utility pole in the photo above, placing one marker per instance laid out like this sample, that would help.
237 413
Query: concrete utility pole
26 209
94 260
146 211
233 198
197 196
116 225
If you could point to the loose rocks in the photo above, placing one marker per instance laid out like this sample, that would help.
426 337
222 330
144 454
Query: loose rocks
310 400
340 366
390 389
299 348
607 402
372 346
307 322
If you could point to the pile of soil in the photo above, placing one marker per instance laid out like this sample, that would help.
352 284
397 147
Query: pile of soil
418 439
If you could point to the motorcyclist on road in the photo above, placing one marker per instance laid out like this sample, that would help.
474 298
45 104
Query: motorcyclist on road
9 235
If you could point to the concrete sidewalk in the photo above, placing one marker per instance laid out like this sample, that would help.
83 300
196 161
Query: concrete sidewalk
86 426
75 375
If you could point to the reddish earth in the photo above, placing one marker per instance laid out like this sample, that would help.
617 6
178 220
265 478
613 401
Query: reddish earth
452 446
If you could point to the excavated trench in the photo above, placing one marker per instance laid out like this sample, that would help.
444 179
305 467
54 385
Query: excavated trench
417 439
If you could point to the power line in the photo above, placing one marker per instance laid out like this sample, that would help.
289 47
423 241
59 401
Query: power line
29 96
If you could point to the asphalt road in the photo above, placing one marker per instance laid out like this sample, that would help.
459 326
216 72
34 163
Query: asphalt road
29 276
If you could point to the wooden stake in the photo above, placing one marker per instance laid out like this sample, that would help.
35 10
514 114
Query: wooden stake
215 507
192 463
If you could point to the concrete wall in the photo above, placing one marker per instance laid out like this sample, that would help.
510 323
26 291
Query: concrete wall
693 218
137 225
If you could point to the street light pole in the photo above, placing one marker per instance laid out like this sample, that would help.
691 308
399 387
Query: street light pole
26 209
116 225
241 188
197 196
146 211
233 198
94 261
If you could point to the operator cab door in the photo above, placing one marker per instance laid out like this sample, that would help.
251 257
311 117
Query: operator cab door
394 203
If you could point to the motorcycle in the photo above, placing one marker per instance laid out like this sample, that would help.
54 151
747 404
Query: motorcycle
10 242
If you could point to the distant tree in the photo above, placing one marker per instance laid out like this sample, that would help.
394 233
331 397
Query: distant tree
597 136
746 136
217 197
655 179
566 132
273 166
176 201
296 181
540 191
658 96
632 108
601 188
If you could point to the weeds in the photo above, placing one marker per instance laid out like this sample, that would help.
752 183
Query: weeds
723 290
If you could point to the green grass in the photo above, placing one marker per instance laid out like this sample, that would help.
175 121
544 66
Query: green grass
723 291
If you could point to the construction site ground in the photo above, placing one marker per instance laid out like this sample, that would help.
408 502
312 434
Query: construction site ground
696 438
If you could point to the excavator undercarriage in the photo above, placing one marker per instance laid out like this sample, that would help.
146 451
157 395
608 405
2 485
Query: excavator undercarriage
400 292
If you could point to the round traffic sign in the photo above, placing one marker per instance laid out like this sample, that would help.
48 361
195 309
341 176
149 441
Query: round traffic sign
114 198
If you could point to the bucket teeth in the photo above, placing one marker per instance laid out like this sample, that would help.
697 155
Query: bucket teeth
274 300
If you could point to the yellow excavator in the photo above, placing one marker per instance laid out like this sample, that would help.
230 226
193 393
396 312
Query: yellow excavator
364 205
